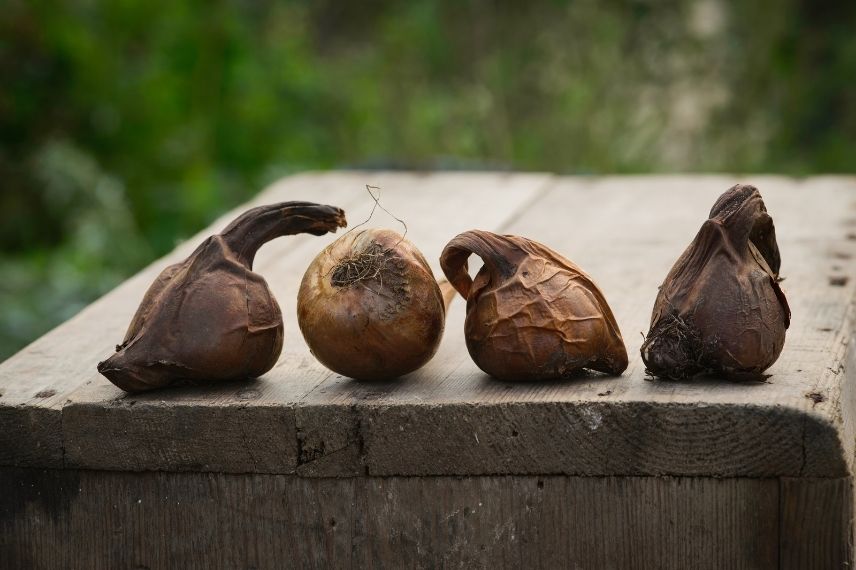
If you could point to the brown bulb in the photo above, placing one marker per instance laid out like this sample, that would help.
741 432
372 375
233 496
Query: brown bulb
720 309
531 313
369 307
210 317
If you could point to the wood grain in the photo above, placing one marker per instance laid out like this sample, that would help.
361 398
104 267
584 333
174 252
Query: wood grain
816 525
85 519
449 418
624 438
570 522
813 219
36 383
253 426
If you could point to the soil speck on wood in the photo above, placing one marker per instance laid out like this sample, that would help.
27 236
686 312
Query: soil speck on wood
815 397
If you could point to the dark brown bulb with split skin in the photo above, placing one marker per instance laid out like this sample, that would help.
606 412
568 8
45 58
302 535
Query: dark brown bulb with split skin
210 317
531 313
720 309
369 306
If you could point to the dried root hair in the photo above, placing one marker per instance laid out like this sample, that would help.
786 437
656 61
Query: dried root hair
369 263
683 345
362 266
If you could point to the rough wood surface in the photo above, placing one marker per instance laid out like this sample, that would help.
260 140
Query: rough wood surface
449 418
36 383
253 426
85 519
816 526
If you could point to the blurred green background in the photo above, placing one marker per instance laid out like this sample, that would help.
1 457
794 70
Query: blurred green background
125 126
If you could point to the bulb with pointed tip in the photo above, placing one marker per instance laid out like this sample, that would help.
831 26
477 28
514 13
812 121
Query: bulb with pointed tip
720 309
211 317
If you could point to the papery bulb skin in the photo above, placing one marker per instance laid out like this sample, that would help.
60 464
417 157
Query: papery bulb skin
720 309
210 317
369 307
531 314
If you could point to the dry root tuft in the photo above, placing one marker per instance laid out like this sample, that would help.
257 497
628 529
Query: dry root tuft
677 349
363 266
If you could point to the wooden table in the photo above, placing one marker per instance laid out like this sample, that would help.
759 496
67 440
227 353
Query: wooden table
447 467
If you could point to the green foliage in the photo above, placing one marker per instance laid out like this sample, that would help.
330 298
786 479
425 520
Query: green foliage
127 125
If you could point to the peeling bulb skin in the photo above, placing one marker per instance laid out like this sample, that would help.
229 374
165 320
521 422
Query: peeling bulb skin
369 307
531 314
210 318
720 309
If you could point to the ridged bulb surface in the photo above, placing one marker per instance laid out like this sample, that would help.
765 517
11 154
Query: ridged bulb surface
531 313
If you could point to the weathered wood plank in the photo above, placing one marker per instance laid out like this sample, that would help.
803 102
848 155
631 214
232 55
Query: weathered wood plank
219 428
36 382
254 426
85 519
74 519
814 219
449 418
570 522
816 523
582 438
